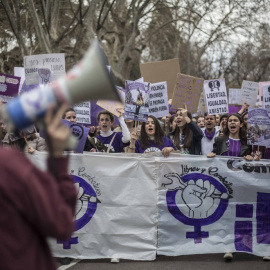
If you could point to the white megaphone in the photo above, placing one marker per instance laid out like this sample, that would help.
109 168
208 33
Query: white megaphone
88 80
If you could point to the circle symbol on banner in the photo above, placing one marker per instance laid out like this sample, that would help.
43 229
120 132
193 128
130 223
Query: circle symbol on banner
77 130
195 200
86 204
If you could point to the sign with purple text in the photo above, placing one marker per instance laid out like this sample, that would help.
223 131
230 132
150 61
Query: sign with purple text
54 62
266 96
213 206
9 87
187 91
183 205
80 132
216 96
158 102
137 101
249 93
258 128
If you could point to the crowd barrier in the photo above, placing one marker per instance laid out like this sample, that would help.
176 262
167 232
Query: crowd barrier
134 206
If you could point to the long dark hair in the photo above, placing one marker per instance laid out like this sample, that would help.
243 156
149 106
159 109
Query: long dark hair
158 137
242 132
187 132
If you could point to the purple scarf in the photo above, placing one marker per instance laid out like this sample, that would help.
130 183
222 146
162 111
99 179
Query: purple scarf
210 136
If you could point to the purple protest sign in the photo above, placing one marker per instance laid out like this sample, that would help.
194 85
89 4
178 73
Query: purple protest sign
258 128
9 87
137 101
80 132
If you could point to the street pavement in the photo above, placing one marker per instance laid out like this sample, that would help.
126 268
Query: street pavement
241 261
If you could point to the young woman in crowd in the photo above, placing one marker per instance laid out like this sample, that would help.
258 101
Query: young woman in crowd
223 124
187 135
151 139
200 122
234 141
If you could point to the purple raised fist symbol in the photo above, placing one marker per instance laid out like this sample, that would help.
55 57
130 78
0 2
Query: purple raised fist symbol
195 199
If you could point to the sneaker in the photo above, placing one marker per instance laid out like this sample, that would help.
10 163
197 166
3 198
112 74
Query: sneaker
115 260
266 258
228 256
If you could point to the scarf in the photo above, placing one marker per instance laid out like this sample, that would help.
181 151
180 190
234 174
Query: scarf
209 136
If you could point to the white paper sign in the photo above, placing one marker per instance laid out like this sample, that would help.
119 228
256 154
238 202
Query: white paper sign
19 72
55 62
266 96
249 93
216 96
158 100
234 95
83 112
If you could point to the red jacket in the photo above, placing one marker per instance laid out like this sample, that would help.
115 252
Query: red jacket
34 205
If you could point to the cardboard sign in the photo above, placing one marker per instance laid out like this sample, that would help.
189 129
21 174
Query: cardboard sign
266 96
249 93
258 128
234 95
112 106
137 101
160 71
158 101
83 112
55 62
9 87
216 96
187 91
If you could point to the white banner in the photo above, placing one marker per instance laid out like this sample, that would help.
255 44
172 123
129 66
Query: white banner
199 205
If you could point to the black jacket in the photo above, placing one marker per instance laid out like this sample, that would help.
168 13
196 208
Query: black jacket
197 135
221 145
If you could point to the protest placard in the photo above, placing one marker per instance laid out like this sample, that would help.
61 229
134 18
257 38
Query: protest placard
55 62
9 87
160 71
266 96
112 106
187 91
234 108
249 93
234 95
80 132
216 96
137 101
158 101
83 112
258 128
261 84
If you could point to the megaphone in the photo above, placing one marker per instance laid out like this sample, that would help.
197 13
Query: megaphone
88 80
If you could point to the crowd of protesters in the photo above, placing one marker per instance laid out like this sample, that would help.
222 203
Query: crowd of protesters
179 132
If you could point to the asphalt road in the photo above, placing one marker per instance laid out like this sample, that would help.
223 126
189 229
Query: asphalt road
241 261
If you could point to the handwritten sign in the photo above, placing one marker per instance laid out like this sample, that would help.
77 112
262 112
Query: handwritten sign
112 106
266 96
216 96
137 101
258 128
9 87
234 95
83 111
158 101
249 93
187 91
54 62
